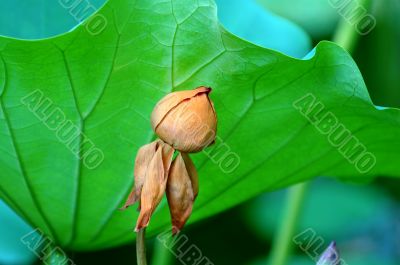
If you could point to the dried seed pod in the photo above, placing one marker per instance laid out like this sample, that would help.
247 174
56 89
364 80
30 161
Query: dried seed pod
180 193
186 120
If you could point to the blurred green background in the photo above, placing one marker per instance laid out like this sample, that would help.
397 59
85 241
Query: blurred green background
363 219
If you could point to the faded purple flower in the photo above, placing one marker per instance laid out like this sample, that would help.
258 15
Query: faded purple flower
330 256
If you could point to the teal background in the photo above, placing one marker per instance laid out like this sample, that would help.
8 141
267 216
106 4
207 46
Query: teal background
365 220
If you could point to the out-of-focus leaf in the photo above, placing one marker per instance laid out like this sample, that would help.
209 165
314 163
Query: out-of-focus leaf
332 209
12 229
379 55
353 258
293 260
317 17
107 85
361 218
249 20
366 258
35 19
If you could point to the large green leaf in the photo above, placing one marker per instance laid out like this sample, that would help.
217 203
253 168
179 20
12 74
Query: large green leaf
107 84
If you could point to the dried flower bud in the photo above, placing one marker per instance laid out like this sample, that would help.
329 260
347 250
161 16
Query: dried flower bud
182 188
186 120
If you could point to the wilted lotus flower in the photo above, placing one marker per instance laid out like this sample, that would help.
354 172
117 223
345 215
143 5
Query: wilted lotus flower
185 121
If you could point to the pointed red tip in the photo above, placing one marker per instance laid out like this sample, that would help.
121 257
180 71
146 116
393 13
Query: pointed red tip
175 230
123 208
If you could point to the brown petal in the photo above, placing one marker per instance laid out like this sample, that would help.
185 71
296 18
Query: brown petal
179 194
191 169
143 158
167 154
153 189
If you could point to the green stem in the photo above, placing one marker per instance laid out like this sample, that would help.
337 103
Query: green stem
162 254
282 244
141 247
346 34
53 255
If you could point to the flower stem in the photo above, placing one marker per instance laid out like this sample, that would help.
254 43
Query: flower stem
53 255
162 255
141 247
282 244
346 34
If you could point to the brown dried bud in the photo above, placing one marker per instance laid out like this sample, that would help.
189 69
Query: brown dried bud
186 120
182 189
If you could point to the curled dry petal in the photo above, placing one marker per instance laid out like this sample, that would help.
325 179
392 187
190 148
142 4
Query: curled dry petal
186 120
143 158
167 153
180 193
154 183
152 161
153 189
191 169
